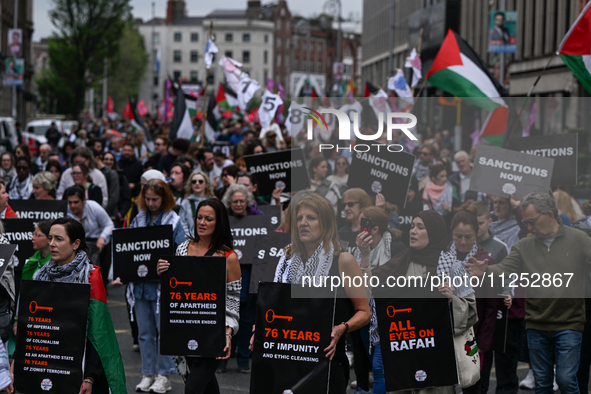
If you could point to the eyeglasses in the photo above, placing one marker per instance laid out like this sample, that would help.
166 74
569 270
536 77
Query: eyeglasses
351 204
459 237
342 163
241 202
37 235
76 173
532 222
200 181
154 186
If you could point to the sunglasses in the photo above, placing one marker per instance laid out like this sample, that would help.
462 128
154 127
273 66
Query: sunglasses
154 186
200 181
425 153
244 173
532 222
351 204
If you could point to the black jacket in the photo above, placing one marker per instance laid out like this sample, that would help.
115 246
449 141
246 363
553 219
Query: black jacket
133 171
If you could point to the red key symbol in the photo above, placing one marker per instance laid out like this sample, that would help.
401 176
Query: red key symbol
270 316
34 308
391 311
174 283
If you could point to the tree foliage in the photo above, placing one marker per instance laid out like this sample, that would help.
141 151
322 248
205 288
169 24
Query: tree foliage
128 68
88 31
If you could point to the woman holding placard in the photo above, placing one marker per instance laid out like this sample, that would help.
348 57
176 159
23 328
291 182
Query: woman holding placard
316 251
212 237
155 203
103 369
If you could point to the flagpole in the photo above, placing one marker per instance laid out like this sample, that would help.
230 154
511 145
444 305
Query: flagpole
203 111
418 51
531 90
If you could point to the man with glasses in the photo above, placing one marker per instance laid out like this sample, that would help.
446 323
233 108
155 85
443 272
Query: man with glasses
424 161
555 311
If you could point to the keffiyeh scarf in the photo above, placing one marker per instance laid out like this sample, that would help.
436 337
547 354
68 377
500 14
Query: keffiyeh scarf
21 190
450 266
292 268
78 271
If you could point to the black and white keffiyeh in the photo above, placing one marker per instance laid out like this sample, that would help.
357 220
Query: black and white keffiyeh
78 271
449 265
292 268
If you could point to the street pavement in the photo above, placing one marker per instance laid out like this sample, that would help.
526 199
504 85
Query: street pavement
230 382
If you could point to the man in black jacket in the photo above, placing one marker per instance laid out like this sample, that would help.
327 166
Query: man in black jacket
132 168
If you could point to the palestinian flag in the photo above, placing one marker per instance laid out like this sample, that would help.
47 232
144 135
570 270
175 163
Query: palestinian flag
102 335
370 89
575 48
136 121
459 71
226 98
182 127
211 118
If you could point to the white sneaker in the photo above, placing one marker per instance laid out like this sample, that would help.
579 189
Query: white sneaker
161 385
529 382
555 388
145 384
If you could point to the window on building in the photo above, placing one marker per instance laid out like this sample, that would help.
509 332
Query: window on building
194 76
194 37
246 37
277 41
177 56
156 38
156 80
265 75
246 56
176 75
319 66
285 60
278 60
210 79
229 37
194 56
287 25
228 53
266 38
319 46
296 63
178 36
287 42
265 57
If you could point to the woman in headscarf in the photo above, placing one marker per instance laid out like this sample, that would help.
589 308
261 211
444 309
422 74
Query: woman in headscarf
428 242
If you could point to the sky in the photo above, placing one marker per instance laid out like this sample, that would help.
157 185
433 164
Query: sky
143 9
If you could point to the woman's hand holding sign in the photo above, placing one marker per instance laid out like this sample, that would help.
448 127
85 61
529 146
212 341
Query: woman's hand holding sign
162 266
337 333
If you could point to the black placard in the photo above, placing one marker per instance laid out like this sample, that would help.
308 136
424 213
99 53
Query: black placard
274 211
19 232
500 336
6 253
193 317
348 239
562 148
268 252
290 338
286 168
222 146
40 210
51 337
135 251
383 172
417 343
245 231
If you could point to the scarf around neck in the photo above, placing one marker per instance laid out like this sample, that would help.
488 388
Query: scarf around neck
21 190
291 268
449 265
78 271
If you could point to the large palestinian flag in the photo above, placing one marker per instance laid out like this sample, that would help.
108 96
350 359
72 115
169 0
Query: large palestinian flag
459 71
575 49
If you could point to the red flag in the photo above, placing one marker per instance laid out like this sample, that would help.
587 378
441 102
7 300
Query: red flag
110 105
142 108
128 111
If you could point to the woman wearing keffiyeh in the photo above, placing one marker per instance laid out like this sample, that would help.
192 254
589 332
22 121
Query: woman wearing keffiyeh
316 252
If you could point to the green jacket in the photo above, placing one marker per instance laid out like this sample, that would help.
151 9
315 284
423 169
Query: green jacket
549 304
34 263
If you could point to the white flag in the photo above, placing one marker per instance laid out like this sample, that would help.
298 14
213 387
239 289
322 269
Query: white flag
295 119
232 72
379 103
414 62
268 108
210 50
399 85
247 89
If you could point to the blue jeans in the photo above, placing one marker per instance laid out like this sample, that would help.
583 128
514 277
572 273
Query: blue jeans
148 322
379 383
567 347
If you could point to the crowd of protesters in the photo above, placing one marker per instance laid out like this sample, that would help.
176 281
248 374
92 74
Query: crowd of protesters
113 176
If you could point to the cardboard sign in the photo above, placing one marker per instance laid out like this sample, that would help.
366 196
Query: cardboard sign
245 230
290 338
503 172
417 342
193 317
51 337
39 210
500 336
562 148
268 251
19 232
135 252
285 170
383 172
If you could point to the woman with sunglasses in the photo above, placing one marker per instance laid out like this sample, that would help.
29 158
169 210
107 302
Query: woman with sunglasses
155 204
197 188
81 178
212 237
354 200
341 175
